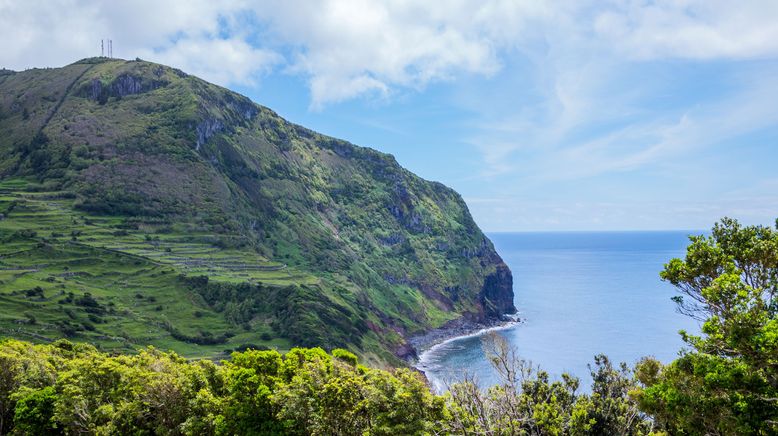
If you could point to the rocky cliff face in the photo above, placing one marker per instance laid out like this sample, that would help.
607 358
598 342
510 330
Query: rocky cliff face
497 293
393 254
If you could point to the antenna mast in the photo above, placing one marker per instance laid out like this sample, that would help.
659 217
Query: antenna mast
106 48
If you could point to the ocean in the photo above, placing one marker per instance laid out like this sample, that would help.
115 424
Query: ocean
578 294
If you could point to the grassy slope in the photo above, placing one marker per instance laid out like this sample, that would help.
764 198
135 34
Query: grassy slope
129 180
132 274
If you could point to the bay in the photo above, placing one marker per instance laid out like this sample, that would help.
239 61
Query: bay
578 294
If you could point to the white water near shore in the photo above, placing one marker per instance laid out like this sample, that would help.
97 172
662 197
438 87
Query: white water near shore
435 374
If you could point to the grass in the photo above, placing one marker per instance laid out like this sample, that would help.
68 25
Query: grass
54 258
52 255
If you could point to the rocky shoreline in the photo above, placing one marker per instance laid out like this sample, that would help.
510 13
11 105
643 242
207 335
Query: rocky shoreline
451 330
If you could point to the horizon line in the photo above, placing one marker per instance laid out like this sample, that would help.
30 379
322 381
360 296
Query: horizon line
598 231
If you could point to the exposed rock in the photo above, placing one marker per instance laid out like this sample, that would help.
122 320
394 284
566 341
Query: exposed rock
453 292
497 293
393 239
206 129
126 85
243 107
121 86
406 352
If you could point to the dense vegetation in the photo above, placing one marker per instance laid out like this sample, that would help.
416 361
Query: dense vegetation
724 384
67 388
74 389
131 181
728 382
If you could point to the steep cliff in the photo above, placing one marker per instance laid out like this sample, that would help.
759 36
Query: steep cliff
286 236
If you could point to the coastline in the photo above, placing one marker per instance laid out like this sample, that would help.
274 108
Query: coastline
453 330
457 329
426 344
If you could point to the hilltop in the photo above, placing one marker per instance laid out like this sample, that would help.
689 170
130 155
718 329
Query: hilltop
142 205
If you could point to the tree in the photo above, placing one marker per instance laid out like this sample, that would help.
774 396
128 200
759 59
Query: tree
728 382
527 402
34 412
612 411
250 379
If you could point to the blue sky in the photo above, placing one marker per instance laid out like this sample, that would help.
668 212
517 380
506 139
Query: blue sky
559 115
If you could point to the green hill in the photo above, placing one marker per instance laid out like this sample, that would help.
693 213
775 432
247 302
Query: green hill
140 205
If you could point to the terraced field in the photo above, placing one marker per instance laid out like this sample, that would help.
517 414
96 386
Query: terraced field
119 283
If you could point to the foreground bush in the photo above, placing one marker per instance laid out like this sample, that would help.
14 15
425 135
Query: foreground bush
526 402
67 388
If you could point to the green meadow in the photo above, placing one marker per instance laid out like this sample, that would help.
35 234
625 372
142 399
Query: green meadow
117 283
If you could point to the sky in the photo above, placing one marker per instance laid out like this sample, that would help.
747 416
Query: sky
544 115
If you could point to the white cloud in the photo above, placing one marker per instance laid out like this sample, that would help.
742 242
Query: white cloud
345 49
197 36
508 214
694 29
548 151
586 67
223 61
351 48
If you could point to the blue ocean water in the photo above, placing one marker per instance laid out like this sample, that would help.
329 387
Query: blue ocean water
579 294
